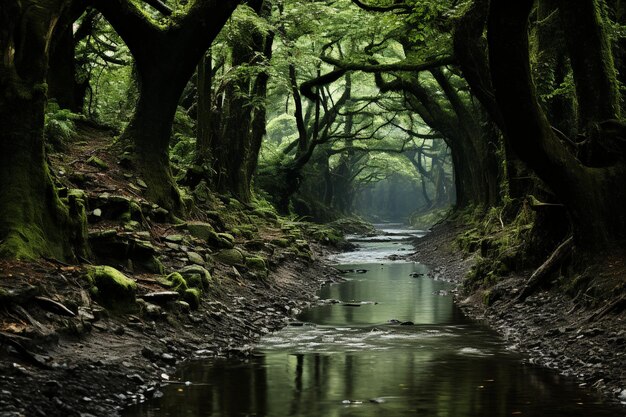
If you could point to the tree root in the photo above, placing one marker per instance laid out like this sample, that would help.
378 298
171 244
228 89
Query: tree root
538 277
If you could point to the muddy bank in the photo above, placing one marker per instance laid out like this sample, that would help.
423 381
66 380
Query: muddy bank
122 359
588 344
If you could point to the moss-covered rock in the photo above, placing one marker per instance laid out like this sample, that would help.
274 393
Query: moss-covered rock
175 282
281 242
227 236
112 288
192 297
94 161
197 277
201 230
230 257
256 263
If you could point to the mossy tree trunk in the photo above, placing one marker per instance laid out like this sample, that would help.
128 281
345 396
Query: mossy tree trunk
166 58
594 197
592 61
243 128
33 220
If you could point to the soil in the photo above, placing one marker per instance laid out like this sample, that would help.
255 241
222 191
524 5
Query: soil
584 341
118 360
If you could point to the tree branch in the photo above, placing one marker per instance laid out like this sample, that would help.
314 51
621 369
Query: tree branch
397 66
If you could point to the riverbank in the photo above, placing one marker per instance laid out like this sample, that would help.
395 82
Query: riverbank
554 331
150 291
99 365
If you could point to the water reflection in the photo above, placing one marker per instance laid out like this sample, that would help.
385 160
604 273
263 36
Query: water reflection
353 362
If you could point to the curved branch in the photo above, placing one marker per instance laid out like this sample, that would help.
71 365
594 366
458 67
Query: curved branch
397 66
370 8
306 88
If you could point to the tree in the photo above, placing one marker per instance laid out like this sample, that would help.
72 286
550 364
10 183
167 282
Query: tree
166 56
231 119
34 221
591 189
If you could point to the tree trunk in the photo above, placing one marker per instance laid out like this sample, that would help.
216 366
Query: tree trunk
149 133
594 197
592 61
166 59
33 220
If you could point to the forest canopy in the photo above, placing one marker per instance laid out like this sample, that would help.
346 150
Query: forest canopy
323 109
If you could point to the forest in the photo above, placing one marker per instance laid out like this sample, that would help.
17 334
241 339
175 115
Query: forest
173 168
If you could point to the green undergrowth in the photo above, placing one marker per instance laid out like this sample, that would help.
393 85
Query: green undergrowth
502 238
426 220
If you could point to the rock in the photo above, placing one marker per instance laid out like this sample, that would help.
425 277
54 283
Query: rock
136 378
141 183
153 310
176 282
149 353
113 289
256 263
192 297
228 237
201 230
161 297
96 162
168 358
230 257
195 258
174 238
196 276
255 245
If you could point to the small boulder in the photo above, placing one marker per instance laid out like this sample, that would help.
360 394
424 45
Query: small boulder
201 230
196 276
113 288
176 282
96 162
230 257
195 258
192 297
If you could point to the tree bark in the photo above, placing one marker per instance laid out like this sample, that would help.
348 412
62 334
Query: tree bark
33 220
166 59
592 61
594 197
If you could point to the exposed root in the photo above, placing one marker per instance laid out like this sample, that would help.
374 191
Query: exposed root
538 277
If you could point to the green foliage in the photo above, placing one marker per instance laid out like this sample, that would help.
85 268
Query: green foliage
183 143
60 125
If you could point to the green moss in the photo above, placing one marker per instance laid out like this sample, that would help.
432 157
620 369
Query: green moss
230 257
282 243
175 282
192 297
113 289
97 163
227 236
256 263
197 277
201 230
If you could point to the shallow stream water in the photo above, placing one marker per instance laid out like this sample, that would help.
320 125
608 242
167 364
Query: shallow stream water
387 342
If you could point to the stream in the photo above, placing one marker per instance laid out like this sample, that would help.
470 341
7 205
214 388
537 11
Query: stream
387 341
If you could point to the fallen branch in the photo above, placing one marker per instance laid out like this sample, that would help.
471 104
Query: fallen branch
538 277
